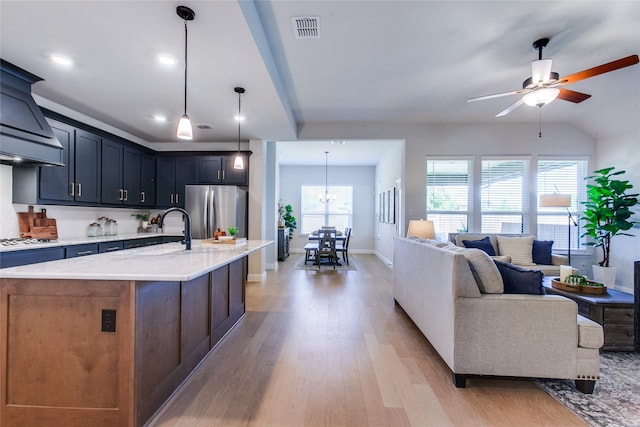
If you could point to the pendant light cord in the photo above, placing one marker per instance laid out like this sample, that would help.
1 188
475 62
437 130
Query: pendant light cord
326 174
185 66
239 121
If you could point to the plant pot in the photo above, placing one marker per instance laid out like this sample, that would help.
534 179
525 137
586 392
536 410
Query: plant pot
606 275
281 224
145 224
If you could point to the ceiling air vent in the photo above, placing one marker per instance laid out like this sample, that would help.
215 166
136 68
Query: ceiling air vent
306 27
204 126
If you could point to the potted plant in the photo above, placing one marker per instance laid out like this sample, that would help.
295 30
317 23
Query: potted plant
144 218
289 220
233 231
607 214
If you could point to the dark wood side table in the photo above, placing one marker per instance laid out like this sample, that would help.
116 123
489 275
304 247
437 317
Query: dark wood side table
613 310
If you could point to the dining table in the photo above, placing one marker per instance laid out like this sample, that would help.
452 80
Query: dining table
312 247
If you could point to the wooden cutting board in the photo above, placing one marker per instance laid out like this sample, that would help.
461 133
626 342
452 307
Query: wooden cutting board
36 225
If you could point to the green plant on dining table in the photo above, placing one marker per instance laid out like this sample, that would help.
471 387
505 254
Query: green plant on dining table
607 210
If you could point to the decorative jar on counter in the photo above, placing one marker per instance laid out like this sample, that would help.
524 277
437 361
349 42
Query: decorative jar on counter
94 230
113 227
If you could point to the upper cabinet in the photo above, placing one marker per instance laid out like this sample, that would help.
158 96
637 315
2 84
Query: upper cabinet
172 174
219 170
124 171
79 180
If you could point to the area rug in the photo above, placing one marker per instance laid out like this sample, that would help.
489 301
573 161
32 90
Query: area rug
615 401
313 267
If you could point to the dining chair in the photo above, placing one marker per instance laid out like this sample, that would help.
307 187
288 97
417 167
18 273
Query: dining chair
343 247
326 247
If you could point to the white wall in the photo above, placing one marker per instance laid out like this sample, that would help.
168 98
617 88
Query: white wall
388 174
362 179
623 152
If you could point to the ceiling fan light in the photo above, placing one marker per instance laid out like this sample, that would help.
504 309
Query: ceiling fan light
184 128
542 96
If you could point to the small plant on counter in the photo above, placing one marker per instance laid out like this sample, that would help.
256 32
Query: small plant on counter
141 216
233 231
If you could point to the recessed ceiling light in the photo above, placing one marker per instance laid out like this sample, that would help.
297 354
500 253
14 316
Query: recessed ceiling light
62 60
159 118
166 60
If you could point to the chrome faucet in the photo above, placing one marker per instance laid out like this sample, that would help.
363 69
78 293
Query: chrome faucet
187 224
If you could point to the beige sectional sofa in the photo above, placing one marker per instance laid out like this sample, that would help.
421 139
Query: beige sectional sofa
552 269
500 334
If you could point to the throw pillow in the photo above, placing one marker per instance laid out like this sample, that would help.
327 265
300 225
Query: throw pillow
520 249
518 280
542 252
484 271
482 244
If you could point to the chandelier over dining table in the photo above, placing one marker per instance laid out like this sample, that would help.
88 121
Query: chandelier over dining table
326 197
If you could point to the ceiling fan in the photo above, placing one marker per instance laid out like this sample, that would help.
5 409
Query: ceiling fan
543 85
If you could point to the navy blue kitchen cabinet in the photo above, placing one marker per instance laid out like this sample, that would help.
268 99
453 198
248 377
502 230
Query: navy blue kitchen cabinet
31 256
172 174
85 249
219 170
79 180
147 180
104 247
121 174
138 243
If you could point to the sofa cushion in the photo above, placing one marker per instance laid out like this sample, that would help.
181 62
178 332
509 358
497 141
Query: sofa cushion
482 244
520 249
484 271
518 280
472 236
541 253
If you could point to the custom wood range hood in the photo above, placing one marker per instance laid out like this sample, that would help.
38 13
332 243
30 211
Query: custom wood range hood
25 136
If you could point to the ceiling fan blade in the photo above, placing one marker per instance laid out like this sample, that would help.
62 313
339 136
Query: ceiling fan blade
511 107
540 70
600 69
572 95
498 95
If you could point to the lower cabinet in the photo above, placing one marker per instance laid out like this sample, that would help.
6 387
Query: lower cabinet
80 250
119 348
30 256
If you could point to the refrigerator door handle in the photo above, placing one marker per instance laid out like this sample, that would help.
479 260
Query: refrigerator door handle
213 223
205 220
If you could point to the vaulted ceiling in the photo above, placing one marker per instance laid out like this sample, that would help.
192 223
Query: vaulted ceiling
408 62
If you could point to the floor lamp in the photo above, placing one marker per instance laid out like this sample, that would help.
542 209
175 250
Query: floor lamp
560 201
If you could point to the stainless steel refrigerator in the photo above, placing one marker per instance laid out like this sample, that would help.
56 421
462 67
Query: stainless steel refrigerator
216 206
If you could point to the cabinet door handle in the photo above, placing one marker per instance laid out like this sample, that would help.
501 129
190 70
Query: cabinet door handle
142 197
73 189
177 199
223 174
112 248
218 174
121 195
84 253
79 190
172 198
126 195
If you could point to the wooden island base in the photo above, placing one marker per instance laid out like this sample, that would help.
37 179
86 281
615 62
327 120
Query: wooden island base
62 366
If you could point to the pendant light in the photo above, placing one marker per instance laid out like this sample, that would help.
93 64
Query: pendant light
326 197
238 163
184 126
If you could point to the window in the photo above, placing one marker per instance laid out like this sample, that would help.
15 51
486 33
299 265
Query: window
448 194
316 213
504 196
563 177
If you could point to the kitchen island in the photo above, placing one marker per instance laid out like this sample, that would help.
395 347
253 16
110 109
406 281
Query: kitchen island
105 340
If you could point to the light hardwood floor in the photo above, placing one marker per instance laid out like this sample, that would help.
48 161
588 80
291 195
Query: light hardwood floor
331 349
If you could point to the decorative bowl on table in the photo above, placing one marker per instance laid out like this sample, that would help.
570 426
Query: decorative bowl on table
579 284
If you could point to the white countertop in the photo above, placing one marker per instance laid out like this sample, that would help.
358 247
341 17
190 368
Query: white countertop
169 262
83 240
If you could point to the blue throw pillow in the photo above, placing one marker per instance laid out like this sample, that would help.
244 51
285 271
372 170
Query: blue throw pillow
483 244
542 252
518 280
